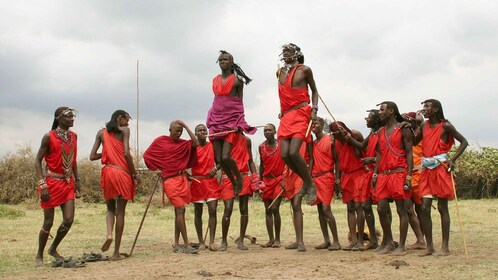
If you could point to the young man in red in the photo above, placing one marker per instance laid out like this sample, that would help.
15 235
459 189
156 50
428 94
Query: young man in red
271 169
226 118
205 187
438 136
393 174
172 155
117 176
296 115
242 154
58 184
324 167
351 180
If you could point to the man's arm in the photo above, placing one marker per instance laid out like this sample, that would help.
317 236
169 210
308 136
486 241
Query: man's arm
355 134
96 145
408 147
261 164
252 166
450 129
195 142
308 74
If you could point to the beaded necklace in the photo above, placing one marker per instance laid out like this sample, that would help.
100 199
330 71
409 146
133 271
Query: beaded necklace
272 151
67 156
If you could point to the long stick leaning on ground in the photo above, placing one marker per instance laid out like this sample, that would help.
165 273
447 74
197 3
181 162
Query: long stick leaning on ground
145 213
457 208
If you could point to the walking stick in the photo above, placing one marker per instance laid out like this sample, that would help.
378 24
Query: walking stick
327 108
145 213
275 199
308 129
458 209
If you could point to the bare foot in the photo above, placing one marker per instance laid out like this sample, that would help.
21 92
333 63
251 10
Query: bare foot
357 247
38 262
276 244
292 246
426 252
201 247
419 245
334 246
324 245
239 184
442 253
117 257
223 246
241 246
106 244
311 195
388 248
55 254
301 247
349 247
212 248
398 252
381 247
267 245
370 246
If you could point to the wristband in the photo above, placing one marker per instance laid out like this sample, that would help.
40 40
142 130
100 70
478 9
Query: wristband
374 175
315 107
409 177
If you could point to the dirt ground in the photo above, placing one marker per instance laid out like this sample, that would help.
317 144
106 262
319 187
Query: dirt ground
259 263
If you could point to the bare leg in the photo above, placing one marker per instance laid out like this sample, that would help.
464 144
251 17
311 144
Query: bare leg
48 220
298 224
415 225
426 220
67 221
360 220
109 221
120 221
403 227
352 225
225 223
329 217
198 224
177 233
290 151
212 205
323 227
244 220
269 225
370 219
442 206
276 218
383 209
233 174
218 154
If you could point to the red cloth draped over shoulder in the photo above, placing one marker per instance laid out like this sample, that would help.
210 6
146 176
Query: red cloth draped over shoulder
227 112
391 153
205 160
60 190
116 179
348 162
272 160
240 153
293 123
170 156
437 181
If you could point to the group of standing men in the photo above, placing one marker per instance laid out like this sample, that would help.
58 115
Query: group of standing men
384 167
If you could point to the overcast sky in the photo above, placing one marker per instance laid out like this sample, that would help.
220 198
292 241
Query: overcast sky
84 54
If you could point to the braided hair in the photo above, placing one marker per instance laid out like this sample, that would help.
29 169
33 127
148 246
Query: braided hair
112 125
235 68
299 56
436 104
392 105
57 114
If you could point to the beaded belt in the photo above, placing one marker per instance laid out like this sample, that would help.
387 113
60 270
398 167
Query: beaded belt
321 174
395 170
118 167
298 106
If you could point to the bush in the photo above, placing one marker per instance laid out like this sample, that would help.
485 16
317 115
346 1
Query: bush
477 173
17 176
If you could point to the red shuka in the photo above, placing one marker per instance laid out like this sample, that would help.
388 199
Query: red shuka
392 156
60 190
273 170
294 123
208 187
116 179
353 172
323 170
220 89
170 156
437 181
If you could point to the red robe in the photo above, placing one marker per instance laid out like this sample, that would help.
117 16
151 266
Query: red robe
294 123
292 182
60 190
353 172
417 171
208 188
437 181
323 170
273 171
240 154
392 157
116 179
172 158
371 151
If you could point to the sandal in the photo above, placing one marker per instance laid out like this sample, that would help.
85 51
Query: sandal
190 250
57 263
93 257
73 263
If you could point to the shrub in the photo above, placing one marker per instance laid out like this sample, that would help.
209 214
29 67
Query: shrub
17 176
